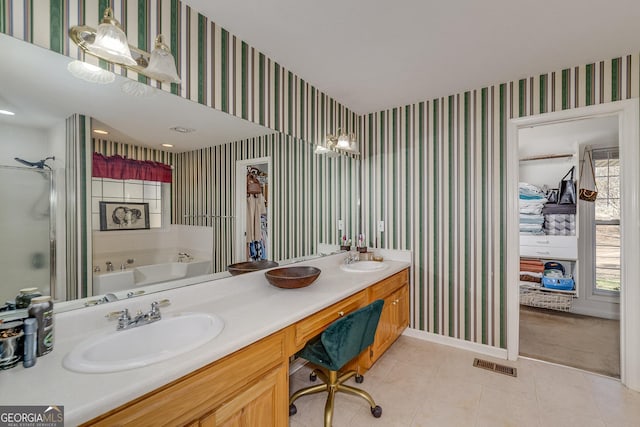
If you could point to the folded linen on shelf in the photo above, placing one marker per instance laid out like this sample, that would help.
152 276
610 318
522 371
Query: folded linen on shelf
531 219
529 189
531 210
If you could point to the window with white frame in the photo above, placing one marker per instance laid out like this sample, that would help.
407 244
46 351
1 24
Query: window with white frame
607 221
114 190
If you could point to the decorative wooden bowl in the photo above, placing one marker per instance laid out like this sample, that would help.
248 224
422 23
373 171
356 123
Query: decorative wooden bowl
249 266
292 277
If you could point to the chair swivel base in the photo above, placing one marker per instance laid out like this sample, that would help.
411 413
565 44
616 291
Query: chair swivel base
332 384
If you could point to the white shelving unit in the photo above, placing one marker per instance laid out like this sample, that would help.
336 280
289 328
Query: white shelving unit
563 249
546 169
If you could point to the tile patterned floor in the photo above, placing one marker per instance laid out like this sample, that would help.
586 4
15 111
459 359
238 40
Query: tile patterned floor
419 383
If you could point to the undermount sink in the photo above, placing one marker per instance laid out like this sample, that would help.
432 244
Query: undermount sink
143 345
364 266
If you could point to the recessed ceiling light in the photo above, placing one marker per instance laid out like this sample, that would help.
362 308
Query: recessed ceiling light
167 145
7 113
181 129
100 132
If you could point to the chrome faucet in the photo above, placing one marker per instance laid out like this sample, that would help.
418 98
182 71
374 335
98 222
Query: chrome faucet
352 256
110 297
125 321
109 266
184 257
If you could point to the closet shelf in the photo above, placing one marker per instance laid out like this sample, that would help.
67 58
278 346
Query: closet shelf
547 156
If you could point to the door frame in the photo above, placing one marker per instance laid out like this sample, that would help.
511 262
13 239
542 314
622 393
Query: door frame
241 207
627 112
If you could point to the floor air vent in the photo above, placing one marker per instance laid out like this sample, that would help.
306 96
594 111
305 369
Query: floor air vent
501 369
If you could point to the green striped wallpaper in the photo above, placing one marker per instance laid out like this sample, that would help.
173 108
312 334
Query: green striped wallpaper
435 173
217 69
309 193
77 204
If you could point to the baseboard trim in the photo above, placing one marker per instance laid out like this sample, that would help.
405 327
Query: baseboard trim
296 365
484 349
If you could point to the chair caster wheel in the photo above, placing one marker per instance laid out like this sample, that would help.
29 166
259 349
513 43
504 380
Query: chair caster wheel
359 379
376 412
313 376
293 410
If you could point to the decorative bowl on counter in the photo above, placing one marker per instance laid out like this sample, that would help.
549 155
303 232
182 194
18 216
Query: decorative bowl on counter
249 266
292 277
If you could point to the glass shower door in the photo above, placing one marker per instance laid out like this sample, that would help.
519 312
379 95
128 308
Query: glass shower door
25 231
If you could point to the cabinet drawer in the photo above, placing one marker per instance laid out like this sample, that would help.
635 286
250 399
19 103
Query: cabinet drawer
381 289
549 252
550 241
311 326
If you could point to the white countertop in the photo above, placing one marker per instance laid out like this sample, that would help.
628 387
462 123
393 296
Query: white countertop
250 307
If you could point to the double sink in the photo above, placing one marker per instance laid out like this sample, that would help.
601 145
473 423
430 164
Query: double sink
171 336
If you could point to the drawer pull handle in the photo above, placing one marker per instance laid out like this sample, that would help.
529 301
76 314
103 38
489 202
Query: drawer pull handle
542 242
542 252
341 313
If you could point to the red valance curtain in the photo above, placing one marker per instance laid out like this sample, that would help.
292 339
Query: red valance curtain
118 167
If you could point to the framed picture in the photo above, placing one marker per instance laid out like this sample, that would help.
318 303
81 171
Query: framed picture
124 216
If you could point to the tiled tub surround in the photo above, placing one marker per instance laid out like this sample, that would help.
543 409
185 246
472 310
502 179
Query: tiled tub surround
154 246
135 277
250 307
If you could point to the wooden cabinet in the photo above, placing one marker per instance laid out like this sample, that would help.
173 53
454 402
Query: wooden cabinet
250 383
251 386
258 405
313 325
395 314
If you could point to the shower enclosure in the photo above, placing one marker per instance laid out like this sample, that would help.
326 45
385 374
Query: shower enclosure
27 244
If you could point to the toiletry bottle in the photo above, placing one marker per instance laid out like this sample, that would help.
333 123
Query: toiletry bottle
11 350
41 308
25 296
30 342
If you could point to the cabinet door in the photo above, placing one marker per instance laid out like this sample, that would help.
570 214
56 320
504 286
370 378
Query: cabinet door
393 320
386 333
401 303
263 403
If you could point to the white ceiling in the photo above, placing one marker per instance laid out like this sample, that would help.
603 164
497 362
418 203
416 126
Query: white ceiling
376 54
36 82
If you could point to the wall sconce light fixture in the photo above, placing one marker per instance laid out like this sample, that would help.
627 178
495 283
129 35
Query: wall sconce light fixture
109 42
342 141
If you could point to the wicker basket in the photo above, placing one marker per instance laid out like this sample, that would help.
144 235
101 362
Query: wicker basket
542 299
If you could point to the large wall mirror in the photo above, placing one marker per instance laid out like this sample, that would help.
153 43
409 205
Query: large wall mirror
59 222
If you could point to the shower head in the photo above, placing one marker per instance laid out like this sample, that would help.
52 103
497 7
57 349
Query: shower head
41 164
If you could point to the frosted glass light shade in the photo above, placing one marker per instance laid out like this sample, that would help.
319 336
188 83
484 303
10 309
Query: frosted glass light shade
111 42
162 65
343 141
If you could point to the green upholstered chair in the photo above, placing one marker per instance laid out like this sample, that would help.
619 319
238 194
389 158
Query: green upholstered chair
342 341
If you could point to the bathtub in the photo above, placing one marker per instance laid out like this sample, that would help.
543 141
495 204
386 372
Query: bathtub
122 280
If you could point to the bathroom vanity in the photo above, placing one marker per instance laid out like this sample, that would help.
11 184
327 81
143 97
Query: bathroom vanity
241 377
